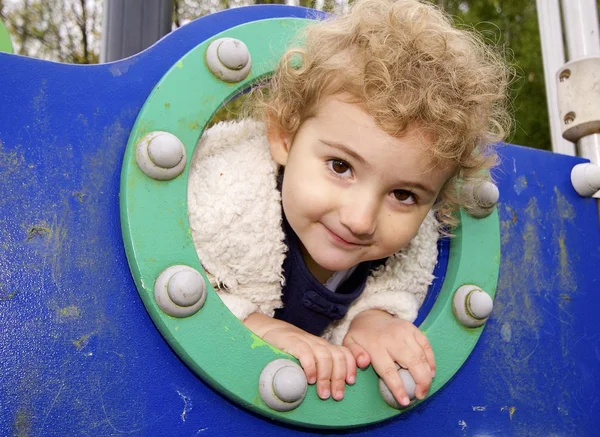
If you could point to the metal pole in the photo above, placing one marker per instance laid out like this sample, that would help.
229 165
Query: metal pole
553 54
130 26
583 40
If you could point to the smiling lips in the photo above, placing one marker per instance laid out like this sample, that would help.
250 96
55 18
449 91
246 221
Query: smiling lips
342 241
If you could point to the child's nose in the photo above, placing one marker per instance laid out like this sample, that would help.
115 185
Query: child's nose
359 215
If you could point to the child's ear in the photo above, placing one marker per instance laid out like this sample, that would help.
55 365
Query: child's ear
279 142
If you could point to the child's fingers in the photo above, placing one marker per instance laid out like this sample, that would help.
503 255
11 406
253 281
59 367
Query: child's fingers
386 368
362 357
338 373
350 365
324 369
423 341
304 353
413 358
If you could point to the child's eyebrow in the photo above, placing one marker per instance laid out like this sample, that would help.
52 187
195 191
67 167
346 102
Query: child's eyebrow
346 150
419 186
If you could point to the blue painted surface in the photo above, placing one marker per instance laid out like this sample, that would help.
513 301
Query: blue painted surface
80 356
439 272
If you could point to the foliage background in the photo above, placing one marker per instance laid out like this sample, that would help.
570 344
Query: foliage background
69 31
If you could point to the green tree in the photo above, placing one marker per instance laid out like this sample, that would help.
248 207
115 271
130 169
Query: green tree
59 30
512 27
69 31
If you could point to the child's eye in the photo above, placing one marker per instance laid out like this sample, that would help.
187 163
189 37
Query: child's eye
404 197
339 167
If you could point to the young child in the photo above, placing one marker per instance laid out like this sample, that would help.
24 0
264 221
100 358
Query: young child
319 221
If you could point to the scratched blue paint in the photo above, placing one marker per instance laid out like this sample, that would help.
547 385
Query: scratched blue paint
80 356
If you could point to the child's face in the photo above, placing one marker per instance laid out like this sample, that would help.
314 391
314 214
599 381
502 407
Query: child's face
350 191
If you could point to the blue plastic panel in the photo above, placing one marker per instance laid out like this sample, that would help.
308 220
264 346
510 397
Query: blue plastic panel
79 355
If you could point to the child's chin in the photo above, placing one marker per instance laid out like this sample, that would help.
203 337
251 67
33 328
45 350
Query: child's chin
334 265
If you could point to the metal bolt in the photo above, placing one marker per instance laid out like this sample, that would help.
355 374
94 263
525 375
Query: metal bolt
569 118
564 75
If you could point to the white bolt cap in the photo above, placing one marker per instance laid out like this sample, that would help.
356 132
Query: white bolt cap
229 59
233 53
180 291
160 155
480 304
409 386
481 197
586 179
282 385
472 306
186 287
165 150
289 384
486 194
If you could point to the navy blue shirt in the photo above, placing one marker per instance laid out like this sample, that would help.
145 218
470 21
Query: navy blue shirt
307 303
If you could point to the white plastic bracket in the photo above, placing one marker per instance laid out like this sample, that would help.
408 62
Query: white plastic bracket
578 86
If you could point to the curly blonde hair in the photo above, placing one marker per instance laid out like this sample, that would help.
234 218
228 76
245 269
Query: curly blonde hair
408 66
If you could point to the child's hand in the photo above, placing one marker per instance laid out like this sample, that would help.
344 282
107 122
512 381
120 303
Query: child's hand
330 366
383 340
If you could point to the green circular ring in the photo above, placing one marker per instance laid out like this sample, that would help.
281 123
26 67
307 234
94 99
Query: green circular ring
5 41
213 342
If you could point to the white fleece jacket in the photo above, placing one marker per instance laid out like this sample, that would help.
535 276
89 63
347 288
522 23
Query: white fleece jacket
235 215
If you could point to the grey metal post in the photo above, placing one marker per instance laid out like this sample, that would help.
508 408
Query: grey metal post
130 26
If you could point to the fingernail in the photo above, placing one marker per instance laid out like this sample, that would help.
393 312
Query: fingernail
339 395
312 380
352 379
325 394
405 401
433 373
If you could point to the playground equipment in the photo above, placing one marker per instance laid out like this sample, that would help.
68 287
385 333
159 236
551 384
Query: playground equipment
5 42
82 353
